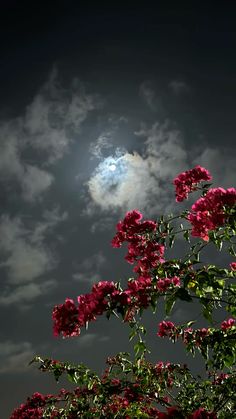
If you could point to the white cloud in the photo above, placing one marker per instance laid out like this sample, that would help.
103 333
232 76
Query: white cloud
15 357
106 140
142 182
103 142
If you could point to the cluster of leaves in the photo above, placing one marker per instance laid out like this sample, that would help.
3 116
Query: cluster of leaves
137 389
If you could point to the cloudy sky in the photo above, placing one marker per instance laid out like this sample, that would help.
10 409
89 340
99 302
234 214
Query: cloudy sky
100 108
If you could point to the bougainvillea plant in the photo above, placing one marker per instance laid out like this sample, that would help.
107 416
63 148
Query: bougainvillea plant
132 386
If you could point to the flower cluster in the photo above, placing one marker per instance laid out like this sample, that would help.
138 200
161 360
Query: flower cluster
94 303
68 318
227 324
33 408
163 284
209 212
187 182
147 253
220 379
233 266
139 388
198 335
65 319
166 328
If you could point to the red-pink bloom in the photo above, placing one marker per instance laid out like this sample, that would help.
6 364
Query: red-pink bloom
33 408
220 379
166 328
148 254
65 318
200 334
187 182
173 412
187 335
164 283
94 303
201 413
233 266
208 212
227 324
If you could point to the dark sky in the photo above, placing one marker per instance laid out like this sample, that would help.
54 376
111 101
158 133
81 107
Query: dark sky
149 90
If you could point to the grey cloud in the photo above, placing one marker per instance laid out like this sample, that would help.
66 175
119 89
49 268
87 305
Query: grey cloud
88 269
26 294
26 257
24 260
178 87
50 220
49 126
103 224
32 180
16 356
221 163
10 164
89 338
147 93
56 115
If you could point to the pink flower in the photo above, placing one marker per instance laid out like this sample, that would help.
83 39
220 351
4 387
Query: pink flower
145 252
233 266
166 328
227 324
164 283
220 379
208 212
65 318
187 335
187 182
201 413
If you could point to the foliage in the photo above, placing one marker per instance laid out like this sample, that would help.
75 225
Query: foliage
132 386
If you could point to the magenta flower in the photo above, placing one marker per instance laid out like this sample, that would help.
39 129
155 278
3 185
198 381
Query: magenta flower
187 182
166 328
233 266
227 324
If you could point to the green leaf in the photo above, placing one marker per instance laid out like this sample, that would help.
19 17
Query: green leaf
139 348
171 241
186 236
207 314
169 303
183 294
132 334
